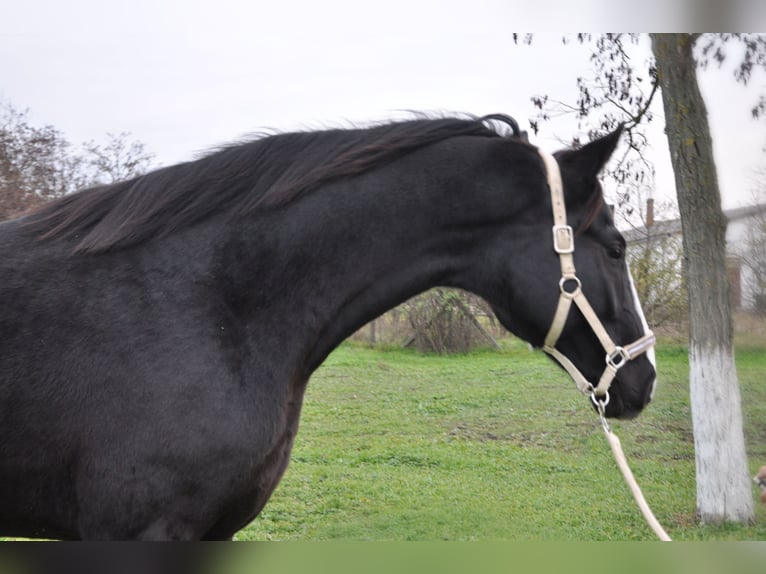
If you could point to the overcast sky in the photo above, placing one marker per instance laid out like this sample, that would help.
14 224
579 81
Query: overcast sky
185 76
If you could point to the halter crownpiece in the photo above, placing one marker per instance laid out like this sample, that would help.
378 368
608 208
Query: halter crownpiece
570 288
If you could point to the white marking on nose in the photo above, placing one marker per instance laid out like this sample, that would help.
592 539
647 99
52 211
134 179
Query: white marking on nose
640 312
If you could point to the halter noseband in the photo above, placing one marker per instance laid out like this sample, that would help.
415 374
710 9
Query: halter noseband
571 291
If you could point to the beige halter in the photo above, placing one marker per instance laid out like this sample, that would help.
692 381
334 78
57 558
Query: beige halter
571 290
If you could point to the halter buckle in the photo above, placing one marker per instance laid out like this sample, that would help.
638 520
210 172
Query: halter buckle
563 239
617 358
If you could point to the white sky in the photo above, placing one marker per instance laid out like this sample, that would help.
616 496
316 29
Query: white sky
184 76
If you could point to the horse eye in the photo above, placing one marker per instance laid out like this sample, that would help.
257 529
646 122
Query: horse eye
615 251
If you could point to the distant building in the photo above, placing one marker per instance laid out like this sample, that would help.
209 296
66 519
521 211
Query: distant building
743 222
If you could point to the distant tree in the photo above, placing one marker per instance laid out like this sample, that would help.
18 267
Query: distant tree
754 258
118 159
445 321
655 256
753 253
38 163
655 263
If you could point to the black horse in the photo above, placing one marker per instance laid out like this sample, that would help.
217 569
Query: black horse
157 334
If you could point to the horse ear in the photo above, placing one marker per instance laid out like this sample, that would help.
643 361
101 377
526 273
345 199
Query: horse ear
590 159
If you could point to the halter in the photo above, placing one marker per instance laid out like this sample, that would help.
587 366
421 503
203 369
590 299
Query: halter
571 291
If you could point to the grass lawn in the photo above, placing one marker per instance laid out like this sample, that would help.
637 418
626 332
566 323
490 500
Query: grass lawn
494 445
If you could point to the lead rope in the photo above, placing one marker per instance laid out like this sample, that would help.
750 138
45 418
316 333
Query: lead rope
622 463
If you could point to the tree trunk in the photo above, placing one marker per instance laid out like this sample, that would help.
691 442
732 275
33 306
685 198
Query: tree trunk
723 483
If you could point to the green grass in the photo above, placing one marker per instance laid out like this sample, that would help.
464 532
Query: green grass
491 446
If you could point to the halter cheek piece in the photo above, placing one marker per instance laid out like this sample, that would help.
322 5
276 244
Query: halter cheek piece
570 288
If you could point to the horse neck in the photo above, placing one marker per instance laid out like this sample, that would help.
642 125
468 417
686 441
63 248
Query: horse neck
338 258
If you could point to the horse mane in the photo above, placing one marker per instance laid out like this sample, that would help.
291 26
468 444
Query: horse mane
243 178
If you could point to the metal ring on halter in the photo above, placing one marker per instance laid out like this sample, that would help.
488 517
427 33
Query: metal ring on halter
578 286
618 353
600 402
601 408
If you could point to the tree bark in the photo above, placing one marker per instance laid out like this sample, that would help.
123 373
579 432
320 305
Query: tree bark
723 484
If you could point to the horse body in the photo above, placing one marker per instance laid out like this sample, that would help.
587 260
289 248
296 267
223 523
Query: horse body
153 390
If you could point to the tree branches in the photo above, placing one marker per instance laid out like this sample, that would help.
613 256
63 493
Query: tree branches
38 163
622 88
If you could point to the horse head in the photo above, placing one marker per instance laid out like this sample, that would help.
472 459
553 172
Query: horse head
568 288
